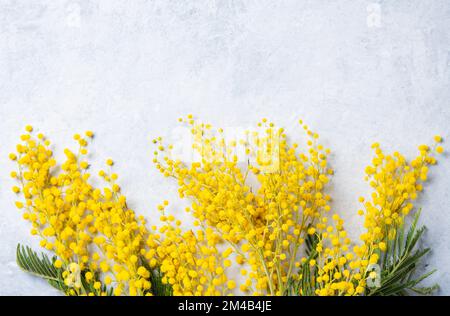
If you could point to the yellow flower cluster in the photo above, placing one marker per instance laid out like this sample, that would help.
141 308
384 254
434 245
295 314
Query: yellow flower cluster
396 184
91 230
264 228
101 245
190 261
267 228
259 203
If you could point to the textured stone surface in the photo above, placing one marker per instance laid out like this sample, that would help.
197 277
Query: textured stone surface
355 71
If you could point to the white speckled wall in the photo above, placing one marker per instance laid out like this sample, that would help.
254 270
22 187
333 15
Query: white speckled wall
355 71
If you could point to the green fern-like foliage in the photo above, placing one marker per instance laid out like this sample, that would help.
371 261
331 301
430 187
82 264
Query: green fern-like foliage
306 285
398 266
400 262
42 266
158 288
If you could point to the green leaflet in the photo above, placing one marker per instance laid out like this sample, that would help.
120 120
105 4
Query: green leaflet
43 267
158 288
29 261
400 262
306 285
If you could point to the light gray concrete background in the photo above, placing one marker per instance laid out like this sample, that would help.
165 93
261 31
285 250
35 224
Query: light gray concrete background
355 71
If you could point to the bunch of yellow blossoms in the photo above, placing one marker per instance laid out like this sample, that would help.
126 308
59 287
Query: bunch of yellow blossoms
102 248
396 184
190 261
269 229
91 230
259 203
264 228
